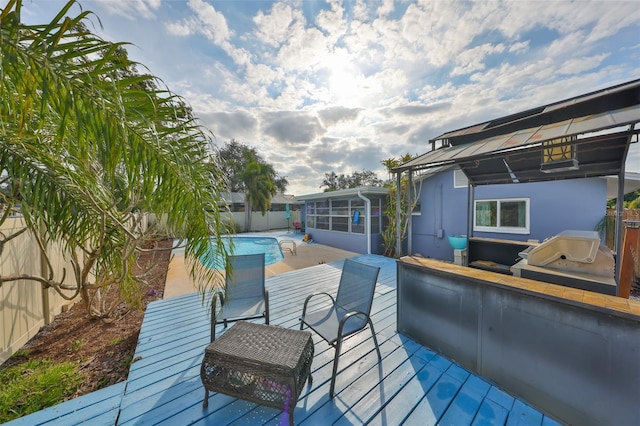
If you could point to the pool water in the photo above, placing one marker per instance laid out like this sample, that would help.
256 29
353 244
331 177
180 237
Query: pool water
250 245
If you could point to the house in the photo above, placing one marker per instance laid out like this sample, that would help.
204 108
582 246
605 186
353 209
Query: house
349 219
529 211
576 139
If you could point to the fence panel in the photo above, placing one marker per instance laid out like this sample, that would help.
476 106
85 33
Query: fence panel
24 305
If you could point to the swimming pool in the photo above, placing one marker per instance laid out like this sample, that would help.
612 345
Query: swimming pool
250 245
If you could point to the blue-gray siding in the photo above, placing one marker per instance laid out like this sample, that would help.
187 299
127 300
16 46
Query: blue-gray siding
576 204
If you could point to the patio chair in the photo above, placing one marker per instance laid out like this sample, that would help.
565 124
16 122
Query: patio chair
245 296
348 313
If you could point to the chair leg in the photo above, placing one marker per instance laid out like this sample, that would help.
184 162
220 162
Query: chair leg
375 340
335 367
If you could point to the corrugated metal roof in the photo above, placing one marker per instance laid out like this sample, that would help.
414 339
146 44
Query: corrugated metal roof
619 121
604 100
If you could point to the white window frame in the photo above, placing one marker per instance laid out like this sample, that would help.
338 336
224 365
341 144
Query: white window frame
460 180
504 229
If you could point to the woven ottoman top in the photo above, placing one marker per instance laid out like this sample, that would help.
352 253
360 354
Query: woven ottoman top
264 344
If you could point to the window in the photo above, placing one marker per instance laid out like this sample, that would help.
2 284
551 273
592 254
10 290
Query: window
507 216
344 215
317 215
340 215
460 179
376 209
358 220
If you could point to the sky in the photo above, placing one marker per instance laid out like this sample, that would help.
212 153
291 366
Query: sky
328 86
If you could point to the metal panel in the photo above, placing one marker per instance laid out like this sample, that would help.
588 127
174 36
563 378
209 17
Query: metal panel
571 361
439 315
576 361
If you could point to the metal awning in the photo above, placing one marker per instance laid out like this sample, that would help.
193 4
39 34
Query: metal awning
600 142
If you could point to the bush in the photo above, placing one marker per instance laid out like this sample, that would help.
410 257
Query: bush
232 226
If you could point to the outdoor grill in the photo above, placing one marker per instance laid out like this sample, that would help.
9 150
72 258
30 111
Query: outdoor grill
572 258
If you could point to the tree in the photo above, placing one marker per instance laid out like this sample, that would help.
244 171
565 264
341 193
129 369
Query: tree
390 233
334 182
250 174
89 147
234 157
258 190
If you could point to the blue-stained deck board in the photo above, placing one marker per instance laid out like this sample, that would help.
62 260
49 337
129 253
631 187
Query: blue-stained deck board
412 384
96 408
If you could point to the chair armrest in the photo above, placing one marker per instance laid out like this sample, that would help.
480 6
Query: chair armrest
344 319
304 309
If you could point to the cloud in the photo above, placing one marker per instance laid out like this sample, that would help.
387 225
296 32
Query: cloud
413 110
239 125
292 128
131 9
273 28
336 114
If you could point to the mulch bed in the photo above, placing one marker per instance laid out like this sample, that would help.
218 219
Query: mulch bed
103 348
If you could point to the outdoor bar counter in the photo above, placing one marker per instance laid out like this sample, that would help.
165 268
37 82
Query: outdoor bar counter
573 354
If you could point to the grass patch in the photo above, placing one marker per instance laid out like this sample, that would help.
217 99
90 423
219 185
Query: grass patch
76 345
35 385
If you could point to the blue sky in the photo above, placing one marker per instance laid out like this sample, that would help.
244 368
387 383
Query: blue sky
321 86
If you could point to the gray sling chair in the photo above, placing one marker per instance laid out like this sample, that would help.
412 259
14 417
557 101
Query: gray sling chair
348 313
246 296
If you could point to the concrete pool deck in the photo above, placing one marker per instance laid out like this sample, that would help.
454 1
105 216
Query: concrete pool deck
307 254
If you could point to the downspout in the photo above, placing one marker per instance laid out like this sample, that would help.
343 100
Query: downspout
410 218
367 215
398 223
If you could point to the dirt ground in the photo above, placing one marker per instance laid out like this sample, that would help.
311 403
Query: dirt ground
103 349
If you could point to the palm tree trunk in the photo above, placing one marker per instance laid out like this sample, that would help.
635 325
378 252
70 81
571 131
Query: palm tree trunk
247 214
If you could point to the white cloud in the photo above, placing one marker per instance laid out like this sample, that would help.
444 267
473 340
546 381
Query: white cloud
473 59
211 23
131 9
273 28
578 65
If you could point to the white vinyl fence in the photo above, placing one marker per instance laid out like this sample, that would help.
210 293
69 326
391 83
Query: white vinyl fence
24 305
270 221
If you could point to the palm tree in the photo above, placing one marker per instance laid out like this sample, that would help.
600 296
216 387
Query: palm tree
390 233
88 148
258 190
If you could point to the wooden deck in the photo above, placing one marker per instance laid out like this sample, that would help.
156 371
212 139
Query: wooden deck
411 385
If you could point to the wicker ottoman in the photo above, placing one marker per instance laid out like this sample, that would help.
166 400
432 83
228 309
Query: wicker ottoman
264 364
